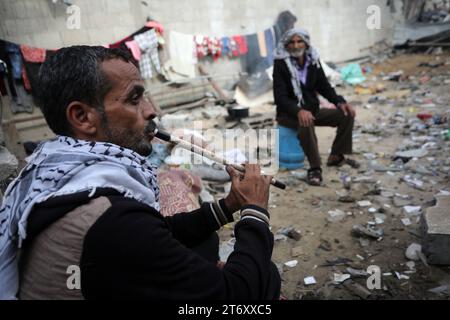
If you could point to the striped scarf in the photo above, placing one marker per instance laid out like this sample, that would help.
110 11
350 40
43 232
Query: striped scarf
281 53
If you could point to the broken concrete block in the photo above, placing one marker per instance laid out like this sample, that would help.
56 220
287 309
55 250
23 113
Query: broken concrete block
436 232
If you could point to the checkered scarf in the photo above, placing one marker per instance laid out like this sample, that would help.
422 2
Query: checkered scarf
148 43
64 166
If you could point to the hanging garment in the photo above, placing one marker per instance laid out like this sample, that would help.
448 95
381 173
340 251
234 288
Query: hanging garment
262 44
155 25
234 50
183 57
241 43
15 58
26 81
215 47
121 43
202 46
253 58
260 54
269 36
225 46
30 54
134 48
7 50
148 43
32 72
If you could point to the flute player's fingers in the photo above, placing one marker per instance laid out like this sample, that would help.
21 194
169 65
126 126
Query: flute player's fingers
252 169
253 189
235 175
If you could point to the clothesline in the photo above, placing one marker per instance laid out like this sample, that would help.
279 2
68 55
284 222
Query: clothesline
185 50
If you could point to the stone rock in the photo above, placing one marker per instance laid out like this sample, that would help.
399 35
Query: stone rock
413 252
361 231
336 215
435 226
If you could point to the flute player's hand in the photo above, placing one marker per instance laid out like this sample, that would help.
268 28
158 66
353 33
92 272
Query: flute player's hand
248 188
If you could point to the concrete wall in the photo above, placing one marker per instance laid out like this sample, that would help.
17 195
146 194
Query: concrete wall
338 27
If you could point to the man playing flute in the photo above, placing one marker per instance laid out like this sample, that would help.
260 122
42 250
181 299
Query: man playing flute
90 198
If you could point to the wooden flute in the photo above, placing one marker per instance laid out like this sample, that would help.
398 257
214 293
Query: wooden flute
206 153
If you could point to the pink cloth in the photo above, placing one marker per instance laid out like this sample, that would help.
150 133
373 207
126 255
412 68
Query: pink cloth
134 48
34 55
158 26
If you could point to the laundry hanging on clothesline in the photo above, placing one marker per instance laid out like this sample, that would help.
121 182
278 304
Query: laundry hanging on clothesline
256 50
16 79
183 57
23 61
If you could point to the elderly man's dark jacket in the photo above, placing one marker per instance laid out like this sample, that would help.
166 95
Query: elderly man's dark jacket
286 100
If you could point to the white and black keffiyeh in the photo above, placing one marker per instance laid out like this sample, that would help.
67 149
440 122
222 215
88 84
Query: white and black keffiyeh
281 53
64 166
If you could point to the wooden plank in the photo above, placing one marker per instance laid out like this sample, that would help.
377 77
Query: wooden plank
188 106
216 87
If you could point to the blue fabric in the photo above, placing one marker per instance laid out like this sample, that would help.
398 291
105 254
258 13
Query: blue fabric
15 57
253 62
270 45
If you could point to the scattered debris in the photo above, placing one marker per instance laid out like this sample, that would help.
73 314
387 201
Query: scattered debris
371 232
406 221
413 252
339 278
336 215
357 289
338 261
309 281
364 203
442 290
290 232
291 264
355 273
412 210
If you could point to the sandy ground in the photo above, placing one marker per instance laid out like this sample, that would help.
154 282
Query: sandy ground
306 208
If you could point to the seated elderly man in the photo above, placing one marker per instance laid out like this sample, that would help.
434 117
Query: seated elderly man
89 199
297 78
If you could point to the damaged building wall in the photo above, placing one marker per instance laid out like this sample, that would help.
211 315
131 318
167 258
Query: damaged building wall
338 27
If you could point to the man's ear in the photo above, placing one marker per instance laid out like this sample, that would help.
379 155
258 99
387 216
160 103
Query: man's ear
84 119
